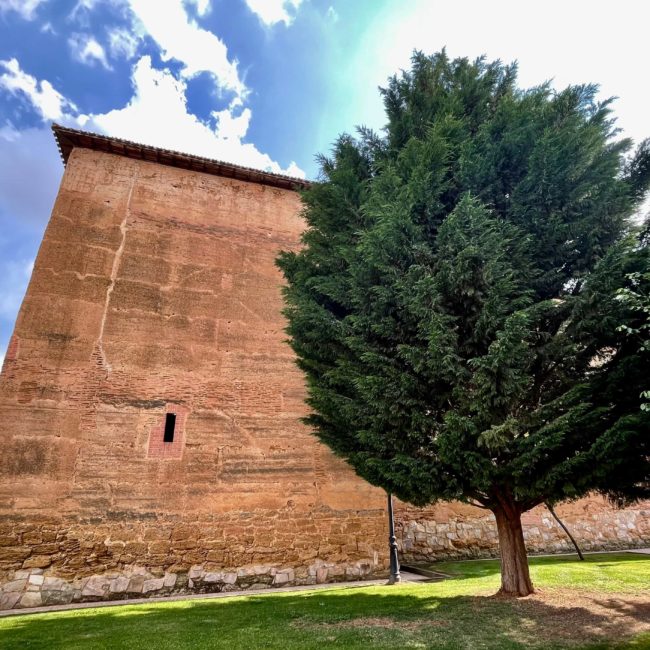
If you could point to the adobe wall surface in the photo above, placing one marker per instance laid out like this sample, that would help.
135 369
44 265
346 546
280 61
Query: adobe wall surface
155 291
456 530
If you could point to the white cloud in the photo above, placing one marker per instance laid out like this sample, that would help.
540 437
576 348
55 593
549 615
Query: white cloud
46 100
122 43
230 127
26 8
565 46
180 38
202 6
271 12
157 115
158 102
86 49
294 170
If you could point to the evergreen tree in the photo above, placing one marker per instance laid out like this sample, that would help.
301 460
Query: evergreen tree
454 306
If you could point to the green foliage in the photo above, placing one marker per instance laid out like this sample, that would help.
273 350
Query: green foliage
636 296
464 303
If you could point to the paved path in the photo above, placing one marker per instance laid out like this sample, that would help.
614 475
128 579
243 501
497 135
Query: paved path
406 577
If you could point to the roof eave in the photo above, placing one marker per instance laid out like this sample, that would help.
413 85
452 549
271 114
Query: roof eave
67 139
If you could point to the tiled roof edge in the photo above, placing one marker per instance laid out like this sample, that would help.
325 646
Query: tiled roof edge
67 139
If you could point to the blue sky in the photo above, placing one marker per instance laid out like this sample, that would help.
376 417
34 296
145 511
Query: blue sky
263 83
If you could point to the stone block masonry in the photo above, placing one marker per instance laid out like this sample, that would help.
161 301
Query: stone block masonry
150 408
51 562
455 530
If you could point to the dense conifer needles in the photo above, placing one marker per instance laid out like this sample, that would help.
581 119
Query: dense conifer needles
464 303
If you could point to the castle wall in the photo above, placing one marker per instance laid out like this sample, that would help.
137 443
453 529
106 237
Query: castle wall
154 292
457 530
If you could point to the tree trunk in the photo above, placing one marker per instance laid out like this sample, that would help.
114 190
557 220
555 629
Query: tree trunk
515 577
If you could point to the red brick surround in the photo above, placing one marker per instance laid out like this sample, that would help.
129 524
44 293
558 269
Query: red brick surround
158 448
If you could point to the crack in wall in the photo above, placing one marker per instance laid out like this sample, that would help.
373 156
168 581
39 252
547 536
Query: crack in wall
116 265
79 276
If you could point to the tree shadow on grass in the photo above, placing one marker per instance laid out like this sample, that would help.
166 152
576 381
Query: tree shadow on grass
385 617
633 609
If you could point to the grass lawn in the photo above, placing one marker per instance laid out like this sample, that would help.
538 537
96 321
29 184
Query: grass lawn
601 603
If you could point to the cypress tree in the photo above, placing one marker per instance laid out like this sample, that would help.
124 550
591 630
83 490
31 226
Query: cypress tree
463 306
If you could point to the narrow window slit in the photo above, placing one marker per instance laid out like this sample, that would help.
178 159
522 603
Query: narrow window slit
170 425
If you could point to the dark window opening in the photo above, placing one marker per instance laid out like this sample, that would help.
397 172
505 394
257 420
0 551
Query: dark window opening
170 425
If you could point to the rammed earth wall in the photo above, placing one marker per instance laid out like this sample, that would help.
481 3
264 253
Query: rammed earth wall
155 293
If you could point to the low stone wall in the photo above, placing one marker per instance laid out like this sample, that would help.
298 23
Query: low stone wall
45 562
456 530
34 587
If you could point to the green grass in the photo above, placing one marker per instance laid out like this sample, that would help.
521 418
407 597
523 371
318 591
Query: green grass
607 572
457 613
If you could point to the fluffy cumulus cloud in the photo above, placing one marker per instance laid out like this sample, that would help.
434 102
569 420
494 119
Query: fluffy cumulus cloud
159 95
48 102
179 37
86 49
26 8
82 8
159 101
271 12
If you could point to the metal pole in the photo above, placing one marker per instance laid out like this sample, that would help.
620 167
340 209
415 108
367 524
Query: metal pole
395 576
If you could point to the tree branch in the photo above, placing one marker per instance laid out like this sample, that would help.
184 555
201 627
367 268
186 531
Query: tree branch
566 530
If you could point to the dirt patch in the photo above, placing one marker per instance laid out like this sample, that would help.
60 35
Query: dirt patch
554 616
381 622
390 623
580 616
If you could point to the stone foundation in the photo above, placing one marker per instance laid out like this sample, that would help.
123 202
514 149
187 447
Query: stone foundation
49 563
456 530
35 587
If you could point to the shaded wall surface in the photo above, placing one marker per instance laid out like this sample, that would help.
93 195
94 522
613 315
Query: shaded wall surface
457 530
155 292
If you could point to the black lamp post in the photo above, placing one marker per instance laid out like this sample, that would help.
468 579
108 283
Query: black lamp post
395 576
